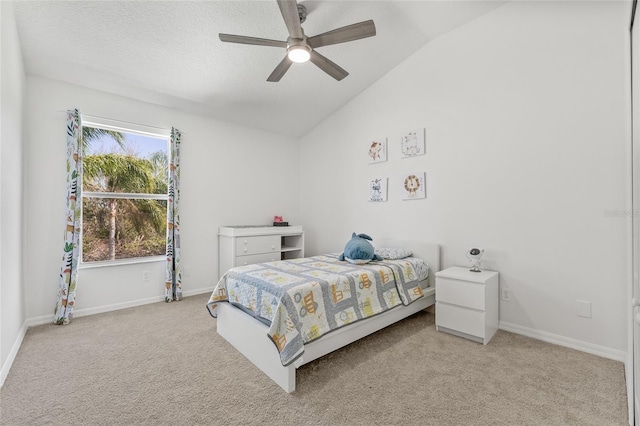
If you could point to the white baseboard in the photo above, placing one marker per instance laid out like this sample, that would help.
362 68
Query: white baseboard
198 291
568 342
48 319
12 355
77 313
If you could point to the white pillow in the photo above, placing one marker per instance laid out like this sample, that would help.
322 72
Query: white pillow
357 261
393 253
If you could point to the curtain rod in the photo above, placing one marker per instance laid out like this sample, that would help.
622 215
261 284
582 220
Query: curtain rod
122 121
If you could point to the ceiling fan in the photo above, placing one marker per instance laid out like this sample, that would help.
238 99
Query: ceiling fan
301 48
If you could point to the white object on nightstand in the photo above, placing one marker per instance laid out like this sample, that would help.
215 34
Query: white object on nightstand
246 245
467 303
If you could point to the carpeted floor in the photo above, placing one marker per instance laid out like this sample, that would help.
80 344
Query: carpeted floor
164 364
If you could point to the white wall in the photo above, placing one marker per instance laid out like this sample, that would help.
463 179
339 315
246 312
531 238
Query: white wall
12 92
525 113
525 116
230 175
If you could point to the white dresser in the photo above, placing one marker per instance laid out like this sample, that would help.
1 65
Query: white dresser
467 303
244 245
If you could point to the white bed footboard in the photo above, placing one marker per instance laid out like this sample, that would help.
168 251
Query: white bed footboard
249 336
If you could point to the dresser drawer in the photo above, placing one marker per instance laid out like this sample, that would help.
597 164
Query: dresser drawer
460 319
256 245
462 293
257 258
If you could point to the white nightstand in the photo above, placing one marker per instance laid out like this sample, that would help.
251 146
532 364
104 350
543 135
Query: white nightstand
467 303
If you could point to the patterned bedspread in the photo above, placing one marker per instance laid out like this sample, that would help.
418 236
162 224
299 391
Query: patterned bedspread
303 299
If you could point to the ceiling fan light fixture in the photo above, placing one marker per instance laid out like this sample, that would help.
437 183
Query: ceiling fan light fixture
301 48
299 53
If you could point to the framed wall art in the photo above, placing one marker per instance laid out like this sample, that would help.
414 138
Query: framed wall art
378 189
412 143
377 151
414 186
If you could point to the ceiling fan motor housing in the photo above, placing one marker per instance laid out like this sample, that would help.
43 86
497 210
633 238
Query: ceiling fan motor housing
298 50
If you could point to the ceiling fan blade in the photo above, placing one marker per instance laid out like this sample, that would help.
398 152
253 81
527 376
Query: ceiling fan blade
289 10
230 38
328 66
282 68
344 34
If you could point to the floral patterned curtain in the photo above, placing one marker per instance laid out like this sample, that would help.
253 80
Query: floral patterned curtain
173 284
69 268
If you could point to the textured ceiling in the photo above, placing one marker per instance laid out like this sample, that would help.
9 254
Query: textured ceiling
168 52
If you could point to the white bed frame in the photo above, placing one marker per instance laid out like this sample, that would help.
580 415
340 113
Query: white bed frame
249 336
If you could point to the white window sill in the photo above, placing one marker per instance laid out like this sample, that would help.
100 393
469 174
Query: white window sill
120 262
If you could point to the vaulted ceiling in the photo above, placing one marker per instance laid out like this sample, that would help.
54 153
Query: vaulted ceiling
169 53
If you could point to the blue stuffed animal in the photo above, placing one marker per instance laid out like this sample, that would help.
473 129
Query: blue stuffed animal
359 250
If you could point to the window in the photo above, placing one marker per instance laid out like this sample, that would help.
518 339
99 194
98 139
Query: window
124 193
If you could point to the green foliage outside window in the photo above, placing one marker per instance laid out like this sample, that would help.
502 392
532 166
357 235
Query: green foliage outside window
127 226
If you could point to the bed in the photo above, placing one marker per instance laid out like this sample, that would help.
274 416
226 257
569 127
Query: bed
260 332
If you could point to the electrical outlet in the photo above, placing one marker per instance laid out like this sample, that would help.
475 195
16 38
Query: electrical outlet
583 308
505 294
145 276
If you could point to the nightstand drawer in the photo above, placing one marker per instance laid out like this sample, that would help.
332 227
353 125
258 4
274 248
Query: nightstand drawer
460 319
255 245
462 293
257 258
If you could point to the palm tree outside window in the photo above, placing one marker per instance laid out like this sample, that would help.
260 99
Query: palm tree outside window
124 194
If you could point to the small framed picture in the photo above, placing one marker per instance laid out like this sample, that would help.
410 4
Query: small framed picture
412 143
378 189
414 186
377 151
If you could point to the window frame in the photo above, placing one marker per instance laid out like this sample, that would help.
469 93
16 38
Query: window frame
132 128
